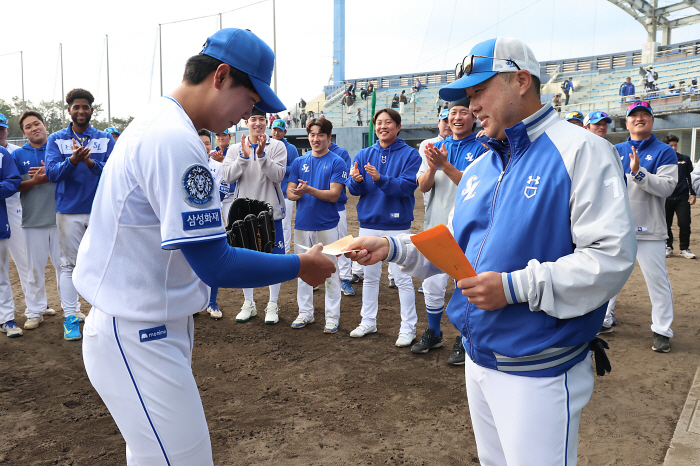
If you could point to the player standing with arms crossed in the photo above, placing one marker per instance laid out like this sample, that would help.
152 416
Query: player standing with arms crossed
38 197
439 174
257 165
157 212
279 131
544 218
75 157
384 176
316 181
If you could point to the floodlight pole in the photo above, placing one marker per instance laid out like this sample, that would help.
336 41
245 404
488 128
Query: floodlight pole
21 60
274 43
109 108
160 51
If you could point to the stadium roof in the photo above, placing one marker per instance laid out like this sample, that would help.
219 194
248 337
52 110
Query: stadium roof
671 15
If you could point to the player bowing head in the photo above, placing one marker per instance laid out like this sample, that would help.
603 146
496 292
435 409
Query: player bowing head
158 211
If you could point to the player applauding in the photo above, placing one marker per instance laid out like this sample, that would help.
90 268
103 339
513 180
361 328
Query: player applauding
315 183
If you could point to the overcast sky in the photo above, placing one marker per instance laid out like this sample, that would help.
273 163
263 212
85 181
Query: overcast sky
391 37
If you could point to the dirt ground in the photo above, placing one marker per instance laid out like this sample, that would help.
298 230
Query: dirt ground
275 395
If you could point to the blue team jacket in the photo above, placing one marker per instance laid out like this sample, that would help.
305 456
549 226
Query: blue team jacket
9 184
76 185
388 203
343 154
512 206
292 154
463 152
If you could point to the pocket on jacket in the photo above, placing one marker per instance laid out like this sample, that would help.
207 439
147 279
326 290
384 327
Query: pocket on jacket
644 221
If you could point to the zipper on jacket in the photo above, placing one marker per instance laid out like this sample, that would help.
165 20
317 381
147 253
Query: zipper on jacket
478 255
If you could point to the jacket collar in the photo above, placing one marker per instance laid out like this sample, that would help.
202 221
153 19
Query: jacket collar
645 143
28 146
520 136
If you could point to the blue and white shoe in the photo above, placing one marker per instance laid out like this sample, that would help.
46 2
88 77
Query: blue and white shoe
301 322
347 288
214 311
420 290
71 328
331 326
80 316
10 327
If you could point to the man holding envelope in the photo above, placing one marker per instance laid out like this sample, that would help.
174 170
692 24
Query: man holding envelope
545 221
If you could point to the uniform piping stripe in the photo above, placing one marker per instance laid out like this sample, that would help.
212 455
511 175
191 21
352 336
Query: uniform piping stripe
506 288
568 418
505 367
395 248
537 120
435 311
546 354
511 288
143 405
520 293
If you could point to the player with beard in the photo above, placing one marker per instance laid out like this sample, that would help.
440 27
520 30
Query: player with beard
75 157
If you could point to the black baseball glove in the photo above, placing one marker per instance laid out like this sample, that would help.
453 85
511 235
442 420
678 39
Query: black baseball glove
251 225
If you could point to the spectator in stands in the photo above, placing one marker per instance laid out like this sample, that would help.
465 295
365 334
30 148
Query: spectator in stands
679 202
272 119
311 114
363 94
597 123
370 88
651 77
439 104
321 115
627 89
359 116
417 85
556 102
402 101
575 117
302 118
567 87
351 89
289 123
349 101
302 103
395 101
296 121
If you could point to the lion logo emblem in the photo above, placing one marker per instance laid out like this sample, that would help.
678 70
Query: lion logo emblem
198 185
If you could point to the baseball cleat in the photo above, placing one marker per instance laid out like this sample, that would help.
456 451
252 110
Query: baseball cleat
49 311
392 284
458 353
331 326
301 322
669 251
10 327
687 254
427 342
363 330
605 329
347 288
247 311
33 322
405 339
272 313
214 311
356 279
80 316
661 344
71 328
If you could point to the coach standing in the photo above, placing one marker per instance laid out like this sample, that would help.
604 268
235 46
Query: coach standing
544 218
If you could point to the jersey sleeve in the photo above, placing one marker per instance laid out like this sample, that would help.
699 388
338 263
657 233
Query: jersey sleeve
339 173
294 171
181 190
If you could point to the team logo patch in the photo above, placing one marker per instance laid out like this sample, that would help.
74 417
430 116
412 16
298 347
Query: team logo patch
530 191
198 185
201 219
649 157
155 333
469 191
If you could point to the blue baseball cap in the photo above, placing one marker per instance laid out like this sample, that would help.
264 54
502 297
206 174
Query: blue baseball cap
113 130
574 115
487 59
279 124
596 117
3 121
245 51
444 114
223 132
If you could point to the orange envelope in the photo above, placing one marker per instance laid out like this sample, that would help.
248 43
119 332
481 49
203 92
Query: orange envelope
439 246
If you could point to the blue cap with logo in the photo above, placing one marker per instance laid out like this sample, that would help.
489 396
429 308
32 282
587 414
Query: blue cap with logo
245 51
224 132
596 117
113 130
488 58
640 104
3 121
444 114
279 124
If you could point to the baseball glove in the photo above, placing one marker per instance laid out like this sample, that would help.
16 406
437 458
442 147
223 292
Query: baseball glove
251 225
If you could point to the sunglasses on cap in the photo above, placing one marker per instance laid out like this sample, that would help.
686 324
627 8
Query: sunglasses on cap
571 115
598 114
640 103
467 65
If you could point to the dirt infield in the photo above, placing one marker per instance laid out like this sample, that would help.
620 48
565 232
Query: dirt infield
274 395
